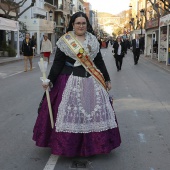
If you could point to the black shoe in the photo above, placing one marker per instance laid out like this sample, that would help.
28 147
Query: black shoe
117 70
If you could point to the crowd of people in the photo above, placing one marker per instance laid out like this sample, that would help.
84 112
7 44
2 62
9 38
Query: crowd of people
120 46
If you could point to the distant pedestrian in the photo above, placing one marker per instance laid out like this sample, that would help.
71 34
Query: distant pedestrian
35 42
27 50
155 47
100 42
46 48
136 46
107 43
119 52
127 45
142 41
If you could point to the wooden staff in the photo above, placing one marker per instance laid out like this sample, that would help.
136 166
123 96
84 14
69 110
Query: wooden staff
47 93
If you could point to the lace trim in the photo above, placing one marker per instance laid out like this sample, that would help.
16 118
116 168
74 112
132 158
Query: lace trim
91 46
85 107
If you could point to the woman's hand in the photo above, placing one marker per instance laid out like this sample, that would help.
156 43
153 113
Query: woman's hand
108 85
45 86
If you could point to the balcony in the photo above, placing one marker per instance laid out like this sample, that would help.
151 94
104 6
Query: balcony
60 23
38 11
39 25
59 8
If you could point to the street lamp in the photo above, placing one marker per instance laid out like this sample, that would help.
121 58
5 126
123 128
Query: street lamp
131 22
50 13
142 12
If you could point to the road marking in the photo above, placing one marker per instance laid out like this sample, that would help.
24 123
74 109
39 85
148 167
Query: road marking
14 74
135 112
142 138
2 74
50 165
151 168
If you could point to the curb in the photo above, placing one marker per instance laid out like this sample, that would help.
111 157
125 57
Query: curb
157 64
9 61
13 60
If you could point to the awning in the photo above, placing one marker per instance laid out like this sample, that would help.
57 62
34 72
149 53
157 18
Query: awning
8 25
11 25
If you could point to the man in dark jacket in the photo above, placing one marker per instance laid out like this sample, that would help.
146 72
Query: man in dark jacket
27 50
136 47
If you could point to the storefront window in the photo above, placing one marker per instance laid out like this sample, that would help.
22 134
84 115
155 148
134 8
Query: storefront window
163 43
169 48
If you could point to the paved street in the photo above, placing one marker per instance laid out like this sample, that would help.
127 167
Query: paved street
141 101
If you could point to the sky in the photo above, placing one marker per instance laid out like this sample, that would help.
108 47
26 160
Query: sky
110 6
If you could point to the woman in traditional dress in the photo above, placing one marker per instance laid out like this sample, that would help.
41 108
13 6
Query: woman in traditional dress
85 122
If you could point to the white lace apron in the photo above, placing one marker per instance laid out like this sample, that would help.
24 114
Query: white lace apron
85 107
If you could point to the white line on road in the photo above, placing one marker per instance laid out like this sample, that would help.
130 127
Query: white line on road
151 168
14 74
142 138
51 162
135 112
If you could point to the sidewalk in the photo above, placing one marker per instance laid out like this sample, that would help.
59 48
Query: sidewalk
157 63
7 60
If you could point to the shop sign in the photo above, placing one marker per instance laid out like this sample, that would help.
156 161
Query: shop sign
152 23
165 20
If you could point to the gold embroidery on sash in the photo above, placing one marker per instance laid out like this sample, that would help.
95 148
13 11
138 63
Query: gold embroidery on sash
80 53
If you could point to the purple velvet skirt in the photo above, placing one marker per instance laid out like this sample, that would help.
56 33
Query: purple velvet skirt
70 144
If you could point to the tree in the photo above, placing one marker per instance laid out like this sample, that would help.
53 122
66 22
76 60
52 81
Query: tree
157 7
8 6
117 32
114 35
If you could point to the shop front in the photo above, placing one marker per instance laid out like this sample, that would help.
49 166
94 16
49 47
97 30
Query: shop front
11 25
151 38
164 39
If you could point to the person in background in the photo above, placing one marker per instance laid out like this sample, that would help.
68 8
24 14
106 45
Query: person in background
119 52
107 42
136 47
155 47
127 45
27 50
142 44
46 48
100 42
35 42
84 118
